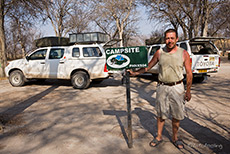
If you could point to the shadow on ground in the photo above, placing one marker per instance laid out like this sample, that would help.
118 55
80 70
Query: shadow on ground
45 82
206 137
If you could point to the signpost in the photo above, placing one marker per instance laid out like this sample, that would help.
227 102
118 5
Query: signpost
127 58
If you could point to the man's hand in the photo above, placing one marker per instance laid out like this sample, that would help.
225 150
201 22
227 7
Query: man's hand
131 72
187 96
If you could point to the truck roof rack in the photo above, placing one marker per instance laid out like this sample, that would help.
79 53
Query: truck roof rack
51 41
88 38
75 38
206 39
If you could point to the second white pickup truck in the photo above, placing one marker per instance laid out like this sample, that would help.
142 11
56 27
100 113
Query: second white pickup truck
204 57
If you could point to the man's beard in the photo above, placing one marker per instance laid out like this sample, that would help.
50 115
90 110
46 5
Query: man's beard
168 46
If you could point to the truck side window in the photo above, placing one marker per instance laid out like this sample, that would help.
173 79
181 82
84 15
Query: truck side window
38 55
75 52
184 46
154 50
56 53
92 52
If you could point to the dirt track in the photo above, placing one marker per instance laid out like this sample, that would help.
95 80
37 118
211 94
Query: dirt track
52 117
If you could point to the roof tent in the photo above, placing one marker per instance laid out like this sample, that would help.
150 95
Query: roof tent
90 37
51 41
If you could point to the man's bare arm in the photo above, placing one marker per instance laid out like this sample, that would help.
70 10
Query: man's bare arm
188 75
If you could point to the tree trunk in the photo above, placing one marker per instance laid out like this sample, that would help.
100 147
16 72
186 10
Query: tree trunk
191 30
20 40
120 30
3 60
204 25
121 39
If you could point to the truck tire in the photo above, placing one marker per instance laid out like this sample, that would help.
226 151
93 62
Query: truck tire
17 78
80 80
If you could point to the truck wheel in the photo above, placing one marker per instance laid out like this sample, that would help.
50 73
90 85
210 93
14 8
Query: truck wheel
17 79
80 80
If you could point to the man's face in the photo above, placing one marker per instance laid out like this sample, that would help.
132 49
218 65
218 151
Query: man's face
171 40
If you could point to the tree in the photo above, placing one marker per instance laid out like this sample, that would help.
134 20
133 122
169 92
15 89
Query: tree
57 12
7 9
3 60
155 38
17 46
115 16
130 35
66 16
80 19
167 11
193 17
219 21
19 21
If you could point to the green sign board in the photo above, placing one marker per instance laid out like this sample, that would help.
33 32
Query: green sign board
126 57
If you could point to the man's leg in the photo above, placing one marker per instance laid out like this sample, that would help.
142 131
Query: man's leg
175 128
160 125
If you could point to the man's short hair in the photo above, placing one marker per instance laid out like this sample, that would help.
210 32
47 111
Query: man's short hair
171 30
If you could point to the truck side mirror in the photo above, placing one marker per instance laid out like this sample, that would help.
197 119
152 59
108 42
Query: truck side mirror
27 58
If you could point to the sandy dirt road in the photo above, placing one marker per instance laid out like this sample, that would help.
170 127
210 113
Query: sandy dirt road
52 117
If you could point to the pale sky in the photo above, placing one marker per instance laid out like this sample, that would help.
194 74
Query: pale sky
146 27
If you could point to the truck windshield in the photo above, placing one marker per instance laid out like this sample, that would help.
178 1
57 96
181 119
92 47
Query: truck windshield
154 50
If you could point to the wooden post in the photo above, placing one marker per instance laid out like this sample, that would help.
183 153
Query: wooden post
130 137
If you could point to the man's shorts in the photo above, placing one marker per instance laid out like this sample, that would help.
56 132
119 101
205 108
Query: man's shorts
170 101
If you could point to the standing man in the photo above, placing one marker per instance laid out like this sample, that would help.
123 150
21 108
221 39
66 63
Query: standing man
170 94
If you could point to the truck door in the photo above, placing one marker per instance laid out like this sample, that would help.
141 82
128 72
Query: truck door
35 66
94 60
55 63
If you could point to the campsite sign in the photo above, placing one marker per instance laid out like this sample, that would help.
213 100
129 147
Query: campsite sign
126 57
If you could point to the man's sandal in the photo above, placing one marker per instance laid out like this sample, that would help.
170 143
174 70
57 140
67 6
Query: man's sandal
155 142
179 144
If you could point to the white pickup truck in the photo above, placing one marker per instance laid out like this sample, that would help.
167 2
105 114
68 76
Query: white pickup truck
78 63
204 57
